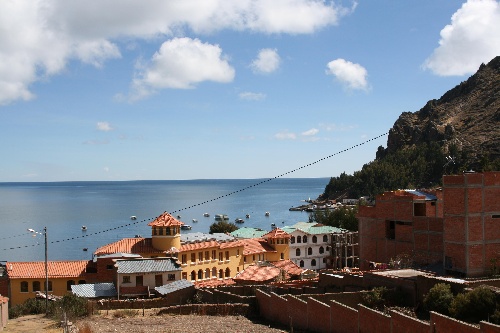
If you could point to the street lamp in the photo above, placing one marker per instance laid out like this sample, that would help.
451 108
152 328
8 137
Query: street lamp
46 268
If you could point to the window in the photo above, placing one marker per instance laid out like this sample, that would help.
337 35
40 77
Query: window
321 250
292 240
139 281
221 274
160 231
171 277
50 286
200 274
207 255
282 256
69 284
419 209
126 279
237 252
228 272
227 255
167 231
193 276
24 286
207 273
184 258
299 239
200 256
297 252
304 239
390 229
325 238
184 275
309 250
313 262
214 254
109 267
193 257
36 286
159 279
301 264
220 256
214 272
244 258
154 231
315 239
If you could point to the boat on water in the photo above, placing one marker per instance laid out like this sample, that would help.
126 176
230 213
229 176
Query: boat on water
186 227
247 216
206 214
239 221
84 228
133 217
221 217
195 220
273 225
267 214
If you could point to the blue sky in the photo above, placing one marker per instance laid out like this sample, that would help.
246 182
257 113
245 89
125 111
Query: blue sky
194 89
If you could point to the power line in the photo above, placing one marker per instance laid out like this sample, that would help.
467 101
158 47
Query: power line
204 202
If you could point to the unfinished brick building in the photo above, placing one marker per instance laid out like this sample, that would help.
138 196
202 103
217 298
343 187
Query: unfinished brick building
456 227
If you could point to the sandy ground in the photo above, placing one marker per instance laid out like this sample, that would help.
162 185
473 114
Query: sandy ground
150 322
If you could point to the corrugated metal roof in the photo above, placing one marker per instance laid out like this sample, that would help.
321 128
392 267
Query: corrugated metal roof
200 236
428 197
174 286
94 290
155 265
247 232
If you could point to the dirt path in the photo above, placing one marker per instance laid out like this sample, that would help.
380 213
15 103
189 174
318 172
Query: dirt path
32 324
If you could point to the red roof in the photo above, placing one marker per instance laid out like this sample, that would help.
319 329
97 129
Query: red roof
129 245
165 220
56 269
277 233
213 283
256 273
289 266
255 246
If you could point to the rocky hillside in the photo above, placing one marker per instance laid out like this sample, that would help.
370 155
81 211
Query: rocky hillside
458 132
468 116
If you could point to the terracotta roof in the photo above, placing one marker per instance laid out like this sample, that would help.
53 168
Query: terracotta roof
256 273
165 220
276 233
255 246
289 266
56 269
214 283
129 245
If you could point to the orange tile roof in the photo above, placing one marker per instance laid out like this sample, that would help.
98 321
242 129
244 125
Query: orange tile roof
129 245
165 220
289 266
214 283
256 273
277 233
56 269
255 246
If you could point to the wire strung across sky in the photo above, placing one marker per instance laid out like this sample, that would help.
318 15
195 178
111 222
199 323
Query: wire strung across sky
198 204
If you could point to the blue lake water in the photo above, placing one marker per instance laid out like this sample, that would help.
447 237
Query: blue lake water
105 209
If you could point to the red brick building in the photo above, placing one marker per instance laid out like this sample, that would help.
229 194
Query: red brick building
456 226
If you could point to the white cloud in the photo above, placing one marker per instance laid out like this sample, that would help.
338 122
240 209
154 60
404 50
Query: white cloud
182 63
39 37
251 96
351 75
285 135
311 132
268 60
104 126
472 38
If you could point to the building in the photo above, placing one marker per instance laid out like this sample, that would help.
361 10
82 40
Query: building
455 229
316 246
27 279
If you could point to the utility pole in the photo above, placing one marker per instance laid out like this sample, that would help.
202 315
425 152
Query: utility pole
46 275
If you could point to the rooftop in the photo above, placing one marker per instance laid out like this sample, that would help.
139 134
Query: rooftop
147 265
56 269
165 220
174 286
94 290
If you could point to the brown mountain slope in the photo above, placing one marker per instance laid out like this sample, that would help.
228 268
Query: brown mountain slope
467 116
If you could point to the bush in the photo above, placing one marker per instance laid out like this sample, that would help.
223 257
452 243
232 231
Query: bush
474 306
439 298
375 298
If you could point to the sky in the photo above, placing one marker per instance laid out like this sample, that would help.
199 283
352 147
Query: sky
211 89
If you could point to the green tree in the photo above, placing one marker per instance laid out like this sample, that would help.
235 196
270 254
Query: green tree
342 217
473 306
439 298
222 227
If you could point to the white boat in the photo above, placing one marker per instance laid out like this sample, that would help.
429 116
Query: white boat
239 221
195 220
186 227
206 214
247 216
267 214
84 228
221 217
133 217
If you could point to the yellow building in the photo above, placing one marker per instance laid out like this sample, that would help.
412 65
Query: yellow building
26 279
